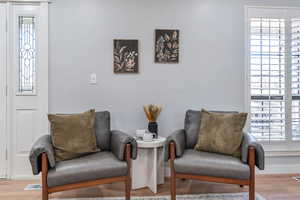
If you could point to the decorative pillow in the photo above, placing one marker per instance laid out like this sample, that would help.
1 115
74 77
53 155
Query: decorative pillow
221 132
73 135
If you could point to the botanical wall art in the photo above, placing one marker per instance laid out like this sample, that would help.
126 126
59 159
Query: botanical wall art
166 46
126 57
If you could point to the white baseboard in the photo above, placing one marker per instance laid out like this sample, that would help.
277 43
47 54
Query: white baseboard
25 177
167 170
282 165
281 169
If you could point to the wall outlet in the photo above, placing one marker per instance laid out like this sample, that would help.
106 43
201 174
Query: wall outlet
93 79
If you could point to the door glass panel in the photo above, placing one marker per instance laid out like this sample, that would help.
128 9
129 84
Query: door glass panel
27 55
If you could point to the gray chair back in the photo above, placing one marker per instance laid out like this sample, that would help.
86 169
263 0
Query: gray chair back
192 126
102 128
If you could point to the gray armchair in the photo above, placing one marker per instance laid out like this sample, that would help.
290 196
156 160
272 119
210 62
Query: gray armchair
112 164
187 163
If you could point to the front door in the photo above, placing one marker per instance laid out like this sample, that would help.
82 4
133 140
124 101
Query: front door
29 82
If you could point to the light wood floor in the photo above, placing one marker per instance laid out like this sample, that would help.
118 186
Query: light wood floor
272 187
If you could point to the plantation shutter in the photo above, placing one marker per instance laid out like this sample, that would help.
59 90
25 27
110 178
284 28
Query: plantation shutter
295 68
267 78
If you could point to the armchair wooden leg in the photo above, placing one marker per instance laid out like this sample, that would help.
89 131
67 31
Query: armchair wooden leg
173 176
252 192
128 181
252 187
128 188
45 194
173 186
251 162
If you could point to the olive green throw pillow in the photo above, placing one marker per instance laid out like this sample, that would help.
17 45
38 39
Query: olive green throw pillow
73 135
221 132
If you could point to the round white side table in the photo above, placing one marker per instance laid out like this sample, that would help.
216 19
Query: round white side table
148 168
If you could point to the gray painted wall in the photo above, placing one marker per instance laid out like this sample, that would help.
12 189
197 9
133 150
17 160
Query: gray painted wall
210 73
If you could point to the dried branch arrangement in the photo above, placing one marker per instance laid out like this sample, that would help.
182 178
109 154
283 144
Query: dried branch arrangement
152 112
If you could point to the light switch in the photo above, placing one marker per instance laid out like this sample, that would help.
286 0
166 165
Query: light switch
93 79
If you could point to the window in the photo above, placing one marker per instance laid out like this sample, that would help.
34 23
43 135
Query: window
27 55
295 56
267 78
274 75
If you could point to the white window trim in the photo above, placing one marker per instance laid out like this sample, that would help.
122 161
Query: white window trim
25 1
275 148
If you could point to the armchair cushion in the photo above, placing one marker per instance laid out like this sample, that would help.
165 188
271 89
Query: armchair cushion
42 145
211 164
192 126
90 167
73 135
250 141
221 133
102 129
118 144
179 138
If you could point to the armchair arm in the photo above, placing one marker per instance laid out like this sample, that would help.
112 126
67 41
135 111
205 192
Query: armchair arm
250 141
179 138
42 145
119 140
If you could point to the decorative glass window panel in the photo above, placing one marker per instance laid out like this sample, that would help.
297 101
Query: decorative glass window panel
27 55
295 70
267 78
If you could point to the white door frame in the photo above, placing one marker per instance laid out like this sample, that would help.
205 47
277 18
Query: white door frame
10 56
3 93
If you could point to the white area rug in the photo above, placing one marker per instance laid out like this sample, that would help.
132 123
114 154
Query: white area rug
234 196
